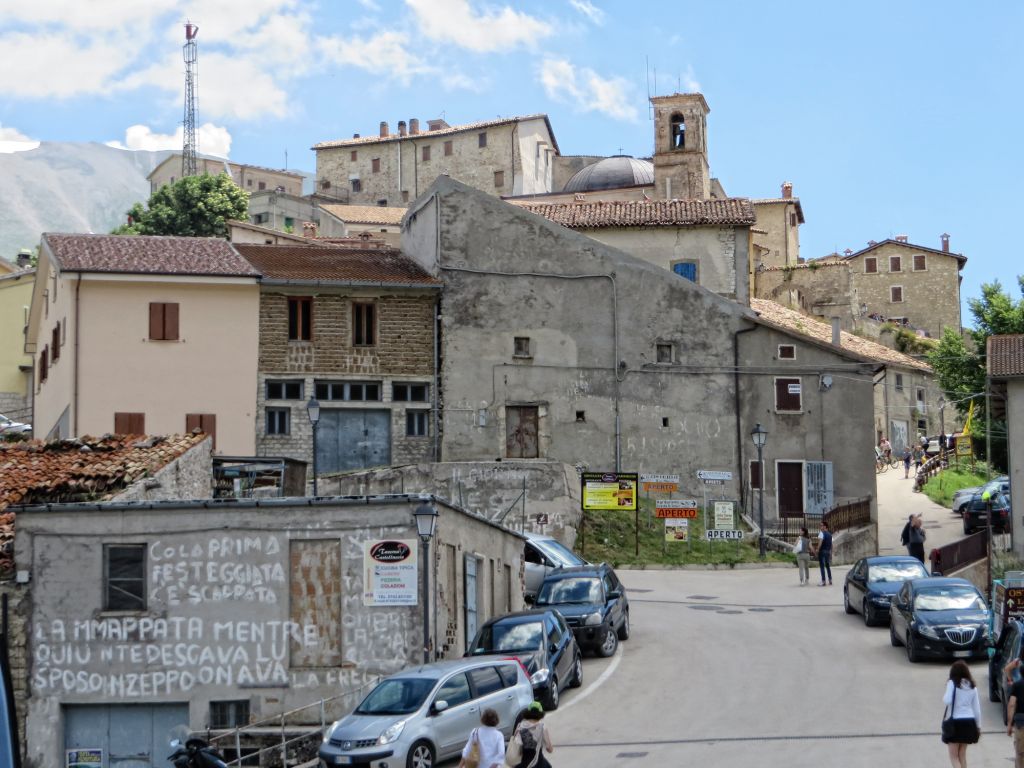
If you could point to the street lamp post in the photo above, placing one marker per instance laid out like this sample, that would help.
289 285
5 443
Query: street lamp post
313 409
426 520
759 435
942 429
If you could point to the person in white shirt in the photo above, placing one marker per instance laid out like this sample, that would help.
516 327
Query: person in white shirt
964 707
489 740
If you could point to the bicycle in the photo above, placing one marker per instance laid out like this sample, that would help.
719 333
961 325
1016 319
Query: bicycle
881 464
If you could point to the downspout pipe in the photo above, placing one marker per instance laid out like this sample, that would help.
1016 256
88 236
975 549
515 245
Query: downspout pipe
739 420
78 333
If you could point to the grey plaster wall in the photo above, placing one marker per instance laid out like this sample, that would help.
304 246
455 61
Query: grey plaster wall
262 602
493 489
1015 425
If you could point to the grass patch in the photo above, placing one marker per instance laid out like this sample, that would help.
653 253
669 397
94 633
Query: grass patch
941 488
610 536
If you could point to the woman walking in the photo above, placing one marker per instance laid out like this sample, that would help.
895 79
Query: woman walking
533 734
802 549
964 709
917 536
487 742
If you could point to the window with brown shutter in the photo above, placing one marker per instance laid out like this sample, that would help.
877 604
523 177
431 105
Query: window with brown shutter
481 139
447 148
364 331
870 265
787 352
896 294
755 475
55 342
499 178
375 165
354 156
129 423
44 364
426 153
300 318
895 264
788 394
204 422
163 321
919 262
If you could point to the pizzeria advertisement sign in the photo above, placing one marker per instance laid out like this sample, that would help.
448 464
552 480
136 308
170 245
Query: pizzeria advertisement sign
390 573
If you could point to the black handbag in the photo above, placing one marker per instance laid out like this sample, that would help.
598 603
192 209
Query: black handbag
948 731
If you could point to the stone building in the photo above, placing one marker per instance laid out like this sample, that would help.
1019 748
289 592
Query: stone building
681 169
777 230
821 288
556 346
251 178
16 279
211 614
507 156
282 211
352 327
351 220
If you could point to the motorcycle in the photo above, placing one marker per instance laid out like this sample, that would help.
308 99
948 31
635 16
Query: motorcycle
195 753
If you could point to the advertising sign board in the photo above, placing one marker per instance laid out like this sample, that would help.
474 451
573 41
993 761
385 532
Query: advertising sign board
609 490
711 474
724 515
718 534
652 482
677 530
390 572
675 509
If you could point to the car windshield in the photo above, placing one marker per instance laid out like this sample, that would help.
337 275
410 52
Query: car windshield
558 553
888 572
948 599
581 589
397 696
511 638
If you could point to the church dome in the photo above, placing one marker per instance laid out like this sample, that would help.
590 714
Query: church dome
611 173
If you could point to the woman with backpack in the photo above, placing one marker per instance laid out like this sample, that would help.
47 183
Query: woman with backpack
531 740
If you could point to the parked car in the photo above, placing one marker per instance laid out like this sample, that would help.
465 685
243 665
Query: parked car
543 644
872 582
1008 647
999 484
424 714
593 602
976 514
963 497
940 617
12 427
543 554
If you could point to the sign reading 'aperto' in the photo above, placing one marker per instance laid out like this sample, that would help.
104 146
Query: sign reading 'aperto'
718 534
676 509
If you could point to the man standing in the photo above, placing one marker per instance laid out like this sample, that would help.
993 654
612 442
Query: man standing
825 553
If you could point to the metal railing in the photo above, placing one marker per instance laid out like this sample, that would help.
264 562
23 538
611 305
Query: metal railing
850 514
957 554
288 729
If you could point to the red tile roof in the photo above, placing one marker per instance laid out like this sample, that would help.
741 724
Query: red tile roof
86 469
366 214
1006 355
147 255
645 213
346 264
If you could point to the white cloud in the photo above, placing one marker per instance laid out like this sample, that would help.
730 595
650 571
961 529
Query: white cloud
454 21
588 9
587 90
213 139
13 140
385 53
369 5
689 80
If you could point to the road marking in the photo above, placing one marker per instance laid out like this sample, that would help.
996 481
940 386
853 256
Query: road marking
596 684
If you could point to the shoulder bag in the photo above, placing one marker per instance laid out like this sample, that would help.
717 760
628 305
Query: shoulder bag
948 731
514 751
473 761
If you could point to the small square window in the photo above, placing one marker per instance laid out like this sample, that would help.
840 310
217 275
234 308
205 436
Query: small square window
410 393
124 575
870 265
447 149
919 262
279 421
284 390
521 346
262 185
416 423
787 352
481 139
686 269
663 353
383 203
354 156
896 294
895 264
325 184
922 424
375 165
229 714
899 382
664 421
357 185
499 178
581 415
426 153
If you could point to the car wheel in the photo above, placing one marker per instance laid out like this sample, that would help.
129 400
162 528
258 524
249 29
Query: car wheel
421 755
609 644
624 629
577 673
550 701
869 619
893 639
846 602
912 655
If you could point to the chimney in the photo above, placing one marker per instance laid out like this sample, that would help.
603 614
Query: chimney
309 229
872 243
414 126
24 259
945 242
901 238
787 190
355 135
383 129
401 128
847 252
836 333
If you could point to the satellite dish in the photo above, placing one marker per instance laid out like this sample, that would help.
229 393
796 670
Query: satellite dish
825 382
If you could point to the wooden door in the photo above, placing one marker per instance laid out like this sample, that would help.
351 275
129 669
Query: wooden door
521 432
790 482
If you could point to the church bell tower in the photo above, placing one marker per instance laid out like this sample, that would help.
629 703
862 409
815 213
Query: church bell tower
681 147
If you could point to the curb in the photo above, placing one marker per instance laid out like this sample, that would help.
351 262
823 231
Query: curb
701 567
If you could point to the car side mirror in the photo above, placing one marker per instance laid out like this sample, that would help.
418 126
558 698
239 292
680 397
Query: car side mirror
440 706
614 594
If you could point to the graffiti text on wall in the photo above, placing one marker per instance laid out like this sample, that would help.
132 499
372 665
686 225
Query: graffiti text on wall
214 571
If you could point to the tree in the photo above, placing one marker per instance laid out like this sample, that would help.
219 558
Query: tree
195 206
960 370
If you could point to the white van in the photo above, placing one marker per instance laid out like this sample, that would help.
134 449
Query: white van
544 554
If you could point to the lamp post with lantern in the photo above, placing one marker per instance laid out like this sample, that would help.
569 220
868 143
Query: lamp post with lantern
426 521
313 410
760 435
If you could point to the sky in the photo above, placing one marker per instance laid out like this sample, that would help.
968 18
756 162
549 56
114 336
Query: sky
888 118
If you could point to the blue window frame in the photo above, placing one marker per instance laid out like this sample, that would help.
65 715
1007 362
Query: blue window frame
687 269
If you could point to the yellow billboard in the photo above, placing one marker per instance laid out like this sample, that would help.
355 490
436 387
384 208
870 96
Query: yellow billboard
609 490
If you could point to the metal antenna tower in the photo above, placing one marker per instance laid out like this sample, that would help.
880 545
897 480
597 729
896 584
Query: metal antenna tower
188 149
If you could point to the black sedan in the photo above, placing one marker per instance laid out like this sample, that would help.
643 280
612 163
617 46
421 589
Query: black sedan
940 617
1010 646
975 513
544 645
872 582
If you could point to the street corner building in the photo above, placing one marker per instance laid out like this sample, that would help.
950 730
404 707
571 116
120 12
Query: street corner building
143 616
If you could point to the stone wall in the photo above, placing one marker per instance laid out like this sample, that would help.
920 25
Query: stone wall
190 476
17 645
821 290
781 237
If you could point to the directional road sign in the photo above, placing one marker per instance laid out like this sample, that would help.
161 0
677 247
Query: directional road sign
712 474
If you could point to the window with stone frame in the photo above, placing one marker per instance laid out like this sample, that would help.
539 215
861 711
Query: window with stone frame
920 262
895 263
417 423
364 324
279 421
357 185
499 178
896 294
375 165
403 392
354 156
663 353
425 153
448 148
899 382
521 347
481 139
870 265
787 352
359 391
300 318
124 577
283 389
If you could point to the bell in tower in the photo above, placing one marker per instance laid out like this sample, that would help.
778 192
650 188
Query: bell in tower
680 147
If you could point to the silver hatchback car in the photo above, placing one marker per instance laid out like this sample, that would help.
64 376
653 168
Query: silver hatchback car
425 714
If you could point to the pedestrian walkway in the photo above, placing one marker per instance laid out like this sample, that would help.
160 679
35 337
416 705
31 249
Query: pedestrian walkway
897 500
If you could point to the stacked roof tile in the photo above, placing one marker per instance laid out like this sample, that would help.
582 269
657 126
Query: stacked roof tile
1006 355
366 214
147 255
323 262
85 469
732 211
